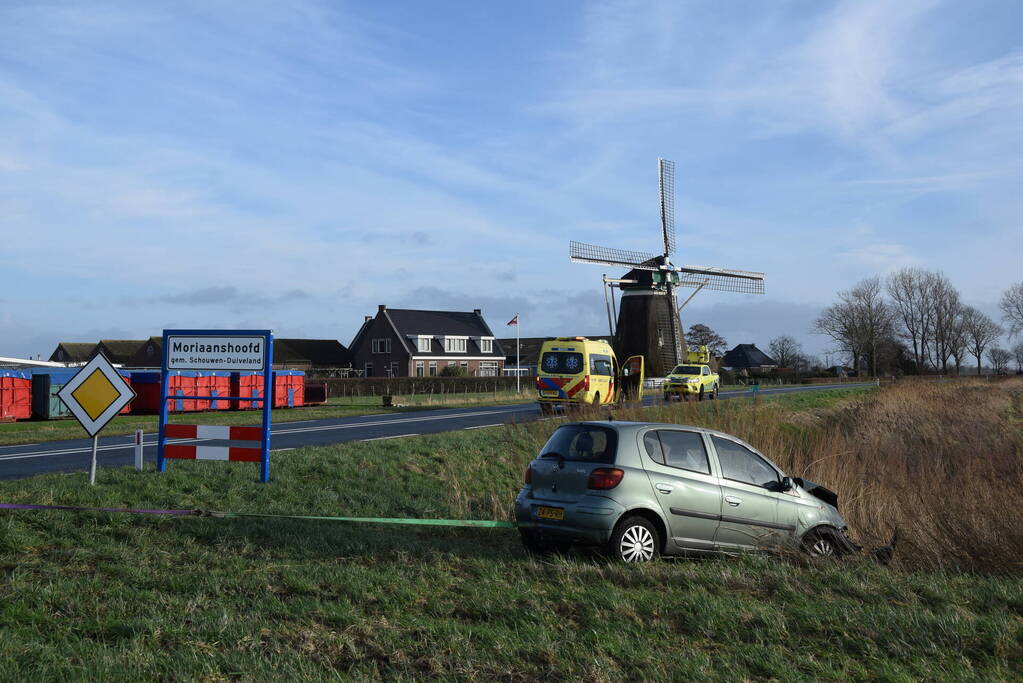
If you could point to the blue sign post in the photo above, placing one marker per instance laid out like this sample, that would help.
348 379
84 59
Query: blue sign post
231 350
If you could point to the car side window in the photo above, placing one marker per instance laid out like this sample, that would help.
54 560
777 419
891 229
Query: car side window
739 463
684 450
706 371
653 447
678 449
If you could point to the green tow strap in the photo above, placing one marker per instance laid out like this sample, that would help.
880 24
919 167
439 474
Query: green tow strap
488 523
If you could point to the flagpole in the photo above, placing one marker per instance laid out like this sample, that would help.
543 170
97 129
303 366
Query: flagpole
518 361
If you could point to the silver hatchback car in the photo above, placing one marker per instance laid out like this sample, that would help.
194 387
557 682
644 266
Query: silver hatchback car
644 489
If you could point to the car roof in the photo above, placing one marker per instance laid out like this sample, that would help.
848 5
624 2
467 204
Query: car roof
618 424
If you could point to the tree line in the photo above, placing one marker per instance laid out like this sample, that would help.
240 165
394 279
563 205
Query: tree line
914 321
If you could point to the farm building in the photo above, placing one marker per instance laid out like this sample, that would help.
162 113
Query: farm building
747 357
73 352
401 342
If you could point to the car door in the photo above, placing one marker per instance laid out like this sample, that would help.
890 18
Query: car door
679 470
749 511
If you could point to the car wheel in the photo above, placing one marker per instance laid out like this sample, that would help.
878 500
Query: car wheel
822 543
701 393
634 540
596 399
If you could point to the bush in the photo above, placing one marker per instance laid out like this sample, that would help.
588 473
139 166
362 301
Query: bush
453 371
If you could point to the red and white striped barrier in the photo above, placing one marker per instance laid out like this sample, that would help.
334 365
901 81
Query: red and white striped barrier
224 453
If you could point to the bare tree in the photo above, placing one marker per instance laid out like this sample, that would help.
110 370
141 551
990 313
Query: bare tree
1000 359
701 335
1017 351
958 343
1012 308
945 314
861 322
786 351
909 290
981 331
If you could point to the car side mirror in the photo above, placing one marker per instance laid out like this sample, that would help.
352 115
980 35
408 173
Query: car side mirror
786 483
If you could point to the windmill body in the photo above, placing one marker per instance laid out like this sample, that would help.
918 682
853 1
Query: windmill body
649 322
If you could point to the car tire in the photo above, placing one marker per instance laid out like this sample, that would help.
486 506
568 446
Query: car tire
701 394
596 399
822 543
634 540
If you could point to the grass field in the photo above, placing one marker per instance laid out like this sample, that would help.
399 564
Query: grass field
35 431
107 596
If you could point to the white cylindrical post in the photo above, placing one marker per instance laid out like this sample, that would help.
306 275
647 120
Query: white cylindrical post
518 362
92 467
138 449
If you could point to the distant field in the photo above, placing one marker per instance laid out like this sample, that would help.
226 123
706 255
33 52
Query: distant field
106 596
34 431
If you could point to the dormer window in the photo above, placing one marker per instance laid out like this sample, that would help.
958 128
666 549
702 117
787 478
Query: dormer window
486 345
424 344
455 344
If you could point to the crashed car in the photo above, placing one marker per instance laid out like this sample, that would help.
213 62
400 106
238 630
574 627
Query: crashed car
642 489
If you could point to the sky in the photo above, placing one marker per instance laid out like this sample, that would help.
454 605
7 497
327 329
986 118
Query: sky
293 165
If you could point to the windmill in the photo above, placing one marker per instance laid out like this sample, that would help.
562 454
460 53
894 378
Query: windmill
649 322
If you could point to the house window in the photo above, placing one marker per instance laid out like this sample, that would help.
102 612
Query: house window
419 368
487 345
381 345
424 344
488 368
394 369
465 366
368 370
454 344
433 368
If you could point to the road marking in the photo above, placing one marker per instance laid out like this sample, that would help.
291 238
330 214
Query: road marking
20 445
384 438
281 450
499 424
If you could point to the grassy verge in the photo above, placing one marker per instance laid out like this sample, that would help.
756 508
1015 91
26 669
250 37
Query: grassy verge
116 597
34 431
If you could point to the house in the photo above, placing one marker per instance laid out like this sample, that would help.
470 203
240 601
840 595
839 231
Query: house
304 354
121 351
399 342
747 357
73 352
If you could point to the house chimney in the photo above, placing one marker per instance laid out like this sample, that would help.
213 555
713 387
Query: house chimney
381 308
477 311
368 318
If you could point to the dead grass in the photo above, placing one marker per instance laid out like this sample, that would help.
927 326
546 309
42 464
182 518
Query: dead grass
942 463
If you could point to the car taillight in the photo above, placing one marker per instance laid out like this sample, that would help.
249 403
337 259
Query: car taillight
529 474
586 383
539 382
604 478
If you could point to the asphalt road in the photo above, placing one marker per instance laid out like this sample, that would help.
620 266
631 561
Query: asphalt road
27 460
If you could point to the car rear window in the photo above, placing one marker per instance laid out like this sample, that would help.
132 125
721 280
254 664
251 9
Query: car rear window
586 443
562 362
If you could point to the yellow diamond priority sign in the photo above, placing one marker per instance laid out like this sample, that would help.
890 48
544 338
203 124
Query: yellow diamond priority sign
96 394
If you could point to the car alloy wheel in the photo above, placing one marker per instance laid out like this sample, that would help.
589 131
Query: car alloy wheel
634 541
821 544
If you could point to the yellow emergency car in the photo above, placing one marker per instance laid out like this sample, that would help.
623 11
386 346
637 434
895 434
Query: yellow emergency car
574 370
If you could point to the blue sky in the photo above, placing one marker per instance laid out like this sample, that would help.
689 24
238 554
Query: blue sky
292 165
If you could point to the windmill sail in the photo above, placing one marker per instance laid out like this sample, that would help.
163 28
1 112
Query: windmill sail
666 185
591 253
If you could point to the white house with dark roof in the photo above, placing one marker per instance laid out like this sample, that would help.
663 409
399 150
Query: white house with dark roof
400 342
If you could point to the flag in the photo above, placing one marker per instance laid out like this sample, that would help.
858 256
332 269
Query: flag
515 320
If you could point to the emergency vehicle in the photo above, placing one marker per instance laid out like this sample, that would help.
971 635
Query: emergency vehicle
574 370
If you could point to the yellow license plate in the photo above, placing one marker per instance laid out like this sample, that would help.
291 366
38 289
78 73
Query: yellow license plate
544 512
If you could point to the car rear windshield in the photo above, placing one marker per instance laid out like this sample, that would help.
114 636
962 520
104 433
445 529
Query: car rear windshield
686 370
588 443
562 363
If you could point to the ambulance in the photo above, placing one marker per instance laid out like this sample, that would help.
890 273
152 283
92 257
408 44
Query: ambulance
577 370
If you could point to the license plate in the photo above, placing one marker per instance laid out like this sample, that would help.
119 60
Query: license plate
544 512
548 393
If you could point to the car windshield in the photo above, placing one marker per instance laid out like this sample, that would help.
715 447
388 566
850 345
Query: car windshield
686 370
562 363
589 443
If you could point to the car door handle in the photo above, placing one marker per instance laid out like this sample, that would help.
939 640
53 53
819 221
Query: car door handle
664 488
733 501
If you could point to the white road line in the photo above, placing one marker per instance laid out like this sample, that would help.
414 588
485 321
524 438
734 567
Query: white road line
383 438
499 424
281 450
20 445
